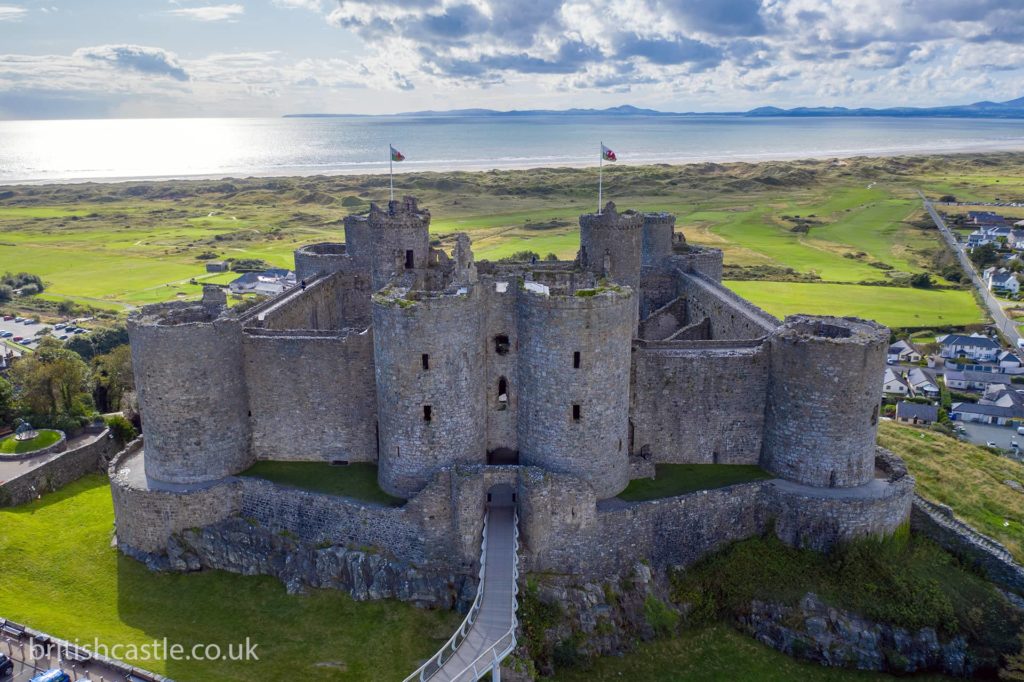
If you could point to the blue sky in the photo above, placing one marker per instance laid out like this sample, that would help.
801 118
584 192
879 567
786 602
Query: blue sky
108 58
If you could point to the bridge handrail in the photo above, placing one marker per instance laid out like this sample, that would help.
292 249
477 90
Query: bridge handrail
493 653
437 660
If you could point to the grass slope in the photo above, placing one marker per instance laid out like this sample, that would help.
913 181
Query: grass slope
894 307
968 478
358 480
713 654
677 479
61 575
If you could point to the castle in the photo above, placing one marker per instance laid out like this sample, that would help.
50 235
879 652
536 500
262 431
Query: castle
561 381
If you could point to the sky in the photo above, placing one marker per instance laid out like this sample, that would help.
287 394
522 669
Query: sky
169 58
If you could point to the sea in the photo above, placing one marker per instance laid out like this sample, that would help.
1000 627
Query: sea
135 149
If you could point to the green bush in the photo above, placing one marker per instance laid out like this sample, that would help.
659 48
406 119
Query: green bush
122 429
660 616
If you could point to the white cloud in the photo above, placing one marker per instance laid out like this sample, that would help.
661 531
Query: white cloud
312 5
11 13
209 12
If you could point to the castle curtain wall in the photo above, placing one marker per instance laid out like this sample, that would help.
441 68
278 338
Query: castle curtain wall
311 396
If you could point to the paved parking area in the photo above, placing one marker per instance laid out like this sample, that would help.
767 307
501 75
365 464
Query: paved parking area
1002 436
26 667
27 330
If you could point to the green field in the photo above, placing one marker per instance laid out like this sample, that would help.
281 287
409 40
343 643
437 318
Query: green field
678 479
12 446
892 306
357 480
118 246
61 575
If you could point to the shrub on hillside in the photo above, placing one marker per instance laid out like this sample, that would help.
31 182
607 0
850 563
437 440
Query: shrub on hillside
122 429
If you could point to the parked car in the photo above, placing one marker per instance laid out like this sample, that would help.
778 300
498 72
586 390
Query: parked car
55 675
63 337
6 666
991 444
16 339
8 317
19 319
81 331
1020 430
59 325
6 335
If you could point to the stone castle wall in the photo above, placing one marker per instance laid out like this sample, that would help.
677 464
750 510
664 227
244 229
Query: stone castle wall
594 443
501 319
821 417
665 321
192 393
449 383
334 301
65 468
731 316
312 397
697 402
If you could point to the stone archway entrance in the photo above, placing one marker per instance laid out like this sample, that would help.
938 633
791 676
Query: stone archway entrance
501 495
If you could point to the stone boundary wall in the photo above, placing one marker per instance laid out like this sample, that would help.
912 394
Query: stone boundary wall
732 317
27 636
66 468
60 446
936 521
699 403
700 260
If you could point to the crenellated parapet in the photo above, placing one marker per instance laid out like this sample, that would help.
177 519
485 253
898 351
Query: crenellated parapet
388 242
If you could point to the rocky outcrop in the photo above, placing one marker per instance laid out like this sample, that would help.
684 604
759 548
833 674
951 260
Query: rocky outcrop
814 631
239 546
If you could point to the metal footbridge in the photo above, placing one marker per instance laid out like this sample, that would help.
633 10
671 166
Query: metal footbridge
488 634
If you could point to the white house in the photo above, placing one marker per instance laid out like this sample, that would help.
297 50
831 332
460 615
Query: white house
976 347
903 351
893 383
922 384
1001 280
968 380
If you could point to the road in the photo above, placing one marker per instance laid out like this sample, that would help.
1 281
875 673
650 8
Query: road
19 649
1003 323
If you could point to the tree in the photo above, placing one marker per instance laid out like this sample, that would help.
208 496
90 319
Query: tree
984 255
921 280
8 405
551 257
520 257
947 199
99 342
52 382
113 373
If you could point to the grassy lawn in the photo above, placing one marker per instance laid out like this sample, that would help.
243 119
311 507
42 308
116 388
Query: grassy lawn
677 479
713 654
45 438
892 306
968 478
358 480
61 575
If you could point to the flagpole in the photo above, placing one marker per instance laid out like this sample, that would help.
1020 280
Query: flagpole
391 172
600 176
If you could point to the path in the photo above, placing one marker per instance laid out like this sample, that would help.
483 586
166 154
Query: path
488 634
1003 323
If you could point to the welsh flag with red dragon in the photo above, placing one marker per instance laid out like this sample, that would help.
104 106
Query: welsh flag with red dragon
607 154
397 155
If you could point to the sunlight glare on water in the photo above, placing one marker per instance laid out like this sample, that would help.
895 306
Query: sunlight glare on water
54 151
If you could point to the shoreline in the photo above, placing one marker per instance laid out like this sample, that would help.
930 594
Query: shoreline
473 166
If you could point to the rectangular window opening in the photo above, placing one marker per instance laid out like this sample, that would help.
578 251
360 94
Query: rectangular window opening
576 360
427 413
409 259
425 359
575 413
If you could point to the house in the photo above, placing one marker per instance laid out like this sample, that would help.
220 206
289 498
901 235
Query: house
267 283
903 351
893 383
1016 238
1001 280
968 380
921 383
985 219
216 266
998 407
916 413
1010 363
976 347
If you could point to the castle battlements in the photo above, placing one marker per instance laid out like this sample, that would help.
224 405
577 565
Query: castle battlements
564 380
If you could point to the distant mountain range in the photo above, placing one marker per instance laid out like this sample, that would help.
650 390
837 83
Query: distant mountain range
1012 109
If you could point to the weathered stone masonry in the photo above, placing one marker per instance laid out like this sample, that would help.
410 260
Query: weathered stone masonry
559 379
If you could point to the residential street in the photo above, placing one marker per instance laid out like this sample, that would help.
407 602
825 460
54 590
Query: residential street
992 304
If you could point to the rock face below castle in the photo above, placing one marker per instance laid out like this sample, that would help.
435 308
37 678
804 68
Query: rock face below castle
562 380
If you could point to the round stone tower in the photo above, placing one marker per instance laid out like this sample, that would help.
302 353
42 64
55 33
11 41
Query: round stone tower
431 383
385 243
192 395
610 246
314 260
657 237
574 362
821 416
